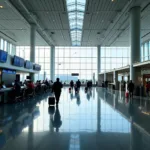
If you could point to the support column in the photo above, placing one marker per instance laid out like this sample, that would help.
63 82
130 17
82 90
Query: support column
52 63
115 78
32 46
98 60
135 29
105 77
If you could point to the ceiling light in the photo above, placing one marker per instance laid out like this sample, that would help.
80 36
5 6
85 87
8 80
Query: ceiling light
1 6
112 0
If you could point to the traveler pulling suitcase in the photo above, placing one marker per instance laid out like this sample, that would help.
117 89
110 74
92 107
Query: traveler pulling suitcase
51 100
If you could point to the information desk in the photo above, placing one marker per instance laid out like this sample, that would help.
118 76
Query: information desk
4 94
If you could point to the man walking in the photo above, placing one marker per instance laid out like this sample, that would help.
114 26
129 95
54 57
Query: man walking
57 86
131 88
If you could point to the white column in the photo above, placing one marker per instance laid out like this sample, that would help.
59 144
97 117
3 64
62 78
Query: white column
115 79
98 60
105 77
135 29
52 63
32 46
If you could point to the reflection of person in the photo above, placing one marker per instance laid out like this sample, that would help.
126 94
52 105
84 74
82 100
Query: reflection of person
57 120
78 99
71 96
57 86
78 83
72 84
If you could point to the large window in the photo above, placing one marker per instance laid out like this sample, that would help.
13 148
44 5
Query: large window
7 46
23 51
81 60
114 57
145 51
42 57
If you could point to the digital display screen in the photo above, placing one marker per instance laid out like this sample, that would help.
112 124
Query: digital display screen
3 56
21 62
18 61
28 65
37 67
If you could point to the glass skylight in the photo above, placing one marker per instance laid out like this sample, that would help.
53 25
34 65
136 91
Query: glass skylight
76 10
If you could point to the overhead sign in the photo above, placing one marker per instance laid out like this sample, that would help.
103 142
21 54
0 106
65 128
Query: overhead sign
75 74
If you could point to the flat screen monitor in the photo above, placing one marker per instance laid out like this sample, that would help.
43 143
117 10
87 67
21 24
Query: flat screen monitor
18 61
21 62
28 65
37 67
3 56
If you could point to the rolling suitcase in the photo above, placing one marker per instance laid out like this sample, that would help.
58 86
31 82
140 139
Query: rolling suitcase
51 100
127 94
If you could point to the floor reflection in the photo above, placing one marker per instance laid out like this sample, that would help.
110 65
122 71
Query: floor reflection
94 120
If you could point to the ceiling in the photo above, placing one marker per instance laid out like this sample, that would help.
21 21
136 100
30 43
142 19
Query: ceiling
106 23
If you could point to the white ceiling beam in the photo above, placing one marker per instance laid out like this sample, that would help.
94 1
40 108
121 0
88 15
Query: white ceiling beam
35 20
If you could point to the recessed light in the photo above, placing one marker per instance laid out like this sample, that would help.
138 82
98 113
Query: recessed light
1 6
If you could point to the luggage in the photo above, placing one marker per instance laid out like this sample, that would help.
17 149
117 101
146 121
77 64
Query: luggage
86 89
127 94
51 100
70 90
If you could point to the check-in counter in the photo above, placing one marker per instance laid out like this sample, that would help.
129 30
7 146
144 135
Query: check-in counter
4 94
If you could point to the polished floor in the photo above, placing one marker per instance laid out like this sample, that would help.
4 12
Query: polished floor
97 120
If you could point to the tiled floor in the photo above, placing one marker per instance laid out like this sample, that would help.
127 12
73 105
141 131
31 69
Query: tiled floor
97 120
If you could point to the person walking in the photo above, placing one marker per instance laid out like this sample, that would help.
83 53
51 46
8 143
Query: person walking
71 84
131 88
57 86
78 83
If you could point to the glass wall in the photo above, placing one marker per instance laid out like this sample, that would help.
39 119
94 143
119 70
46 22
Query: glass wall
114 57
145 51
23 51
81 60
42 57
7 46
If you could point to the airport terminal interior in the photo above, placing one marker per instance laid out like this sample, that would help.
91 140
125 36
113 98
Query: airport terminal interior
100 52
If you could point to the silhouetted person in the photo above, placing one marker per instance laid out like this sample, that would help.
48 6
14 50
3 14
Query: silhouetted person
78 83
71 84
57 86
17 88
106 84
131 88
30 87
57 120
